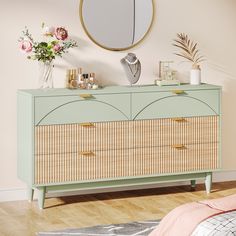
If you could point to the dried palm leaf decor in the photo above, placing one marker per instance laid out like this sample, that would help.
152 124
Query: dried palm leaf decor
189 50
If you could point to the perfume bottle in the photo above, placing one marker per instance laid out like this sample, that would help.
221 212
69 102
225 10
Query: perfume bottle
71 77
93 81
92 78
68 78
82 83
86 81
80 76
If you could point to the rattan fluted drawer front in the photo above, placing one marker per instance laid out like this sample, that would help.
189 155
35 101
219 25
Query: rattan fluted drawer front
90 151
169 131
114 164
171 160
72 167
70 138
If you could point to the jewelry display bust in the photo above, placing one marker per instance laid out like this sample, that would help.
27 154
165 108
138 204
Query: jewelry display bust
132 67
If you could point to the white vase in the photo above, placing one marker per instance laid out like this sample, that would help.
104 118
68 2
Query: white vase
195 76
45 74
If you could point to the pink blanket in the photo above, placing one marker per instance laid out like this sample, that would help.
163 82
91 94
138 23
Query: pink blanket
184 219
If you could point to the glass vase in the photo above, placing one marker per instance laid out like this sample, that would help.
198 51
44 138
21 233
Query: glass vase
45 74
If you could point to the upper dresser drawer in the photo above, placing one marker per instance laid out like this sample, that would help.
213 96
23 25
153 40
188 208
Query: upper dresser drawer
176 103
82 108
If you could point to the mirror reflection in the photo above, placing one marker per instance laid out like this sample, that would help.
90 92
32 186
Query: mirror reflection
116 24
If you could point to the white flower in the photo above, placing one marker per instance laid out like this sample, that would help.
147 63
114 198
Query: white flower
48 31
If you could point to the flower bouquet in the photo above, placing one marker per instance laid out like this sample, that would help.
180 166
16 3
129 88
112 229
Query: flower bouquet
55 43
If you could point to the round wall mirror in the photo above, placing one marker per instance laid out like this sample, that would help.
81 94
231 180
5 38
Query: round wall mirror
116 24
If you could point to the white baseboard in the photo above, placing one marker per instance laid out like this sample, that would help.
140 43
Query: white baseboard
224 176
17 194
13 194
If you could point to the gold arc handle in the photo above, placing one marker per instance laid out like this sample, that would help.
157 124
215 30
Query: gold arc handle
87 125
178 91
178 146
87 153
179 119
86 95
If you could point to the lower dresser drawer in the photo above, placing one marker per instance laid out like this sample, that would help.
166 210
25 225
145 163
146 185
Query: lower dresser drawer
72 167
174 159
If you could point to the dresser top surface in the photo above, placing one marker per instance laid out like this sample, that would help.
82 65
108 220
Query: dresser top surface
116 89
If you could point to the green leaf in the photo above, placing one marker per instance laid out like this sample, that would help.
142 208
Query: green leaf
42 44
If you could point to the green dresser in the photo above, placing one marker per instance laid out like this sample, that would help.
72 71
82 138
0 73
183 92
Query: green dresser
117 136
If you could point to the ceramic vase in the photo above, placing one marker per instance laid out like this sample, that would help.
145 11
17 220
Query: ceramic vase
195 75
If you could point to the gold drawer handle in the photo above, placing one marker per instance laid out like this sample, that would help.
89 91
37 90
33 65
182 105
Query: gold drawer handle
178 91
179 119
178 146
86 96
87 125
87 153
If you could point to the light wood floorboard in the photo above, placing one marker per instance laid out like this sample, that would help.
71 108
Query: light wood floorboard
22 218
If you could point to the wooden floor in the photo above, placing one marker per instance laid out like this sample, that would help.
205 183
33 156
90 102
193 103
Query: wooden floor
23 218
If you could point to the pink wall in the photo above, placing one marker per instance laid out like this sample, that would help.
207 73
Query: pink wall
211 23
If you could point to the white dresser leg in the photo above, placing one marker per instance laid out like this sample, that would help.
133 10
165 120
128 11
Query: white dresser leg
208 182
30 192
41 197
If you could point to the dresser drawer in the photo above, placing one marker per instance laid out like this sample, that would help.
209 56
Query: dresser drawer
81 108
176 103
174 159
71 138
169 131
100 165
71 167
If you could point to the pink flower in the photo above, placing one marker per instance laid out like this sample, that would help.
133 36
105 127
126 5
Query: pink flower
26 46
48 31
61 33
57 47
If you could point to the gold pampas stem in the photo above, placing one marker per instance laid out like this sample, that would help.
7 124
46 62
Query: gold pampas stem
189 50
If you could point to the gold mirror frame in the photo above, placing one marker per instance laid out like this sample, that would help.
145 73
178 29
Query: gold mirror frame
114 49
